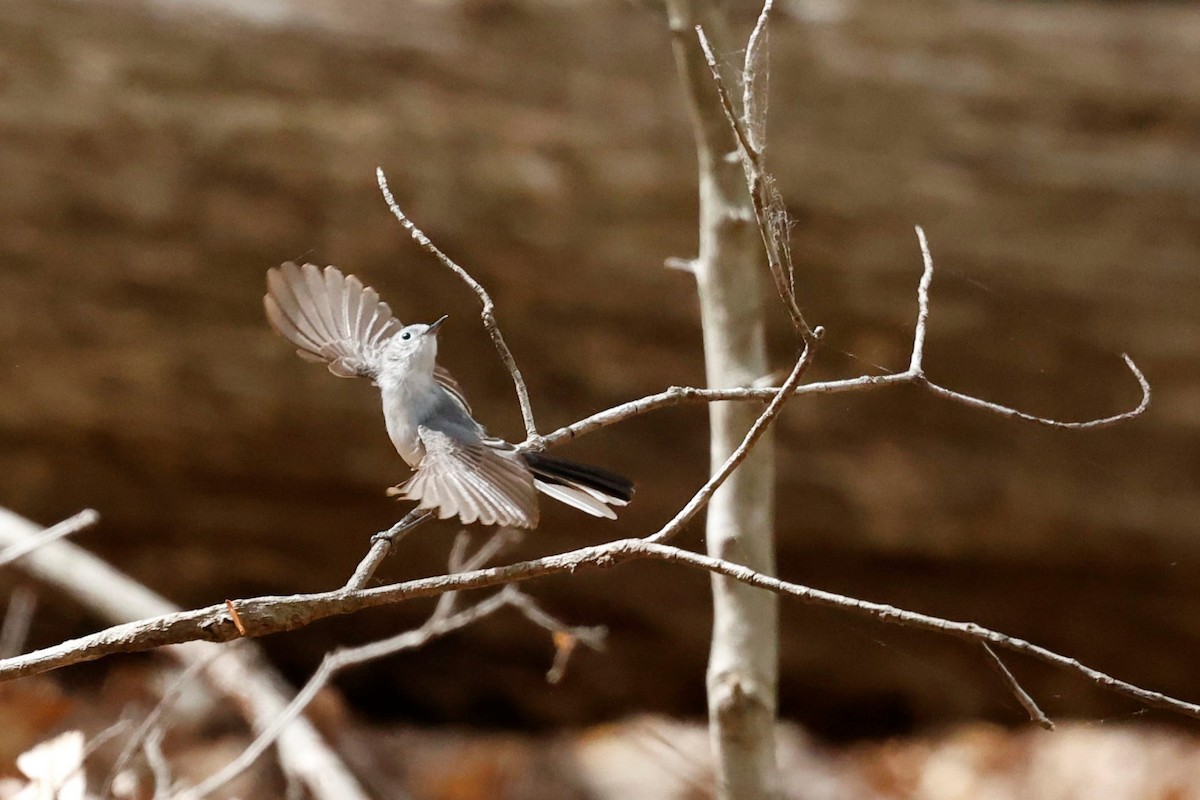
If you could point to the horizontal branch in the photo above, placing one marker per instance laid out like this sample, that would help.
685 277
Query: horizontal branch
913 376
267 615
680 395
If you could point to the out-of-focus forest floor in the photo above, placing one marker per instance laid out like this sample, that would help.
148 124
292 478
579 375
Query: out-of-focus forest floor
649 757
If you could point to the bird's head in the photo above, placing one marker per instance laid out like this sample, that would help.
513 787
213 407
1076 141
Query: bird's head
413 349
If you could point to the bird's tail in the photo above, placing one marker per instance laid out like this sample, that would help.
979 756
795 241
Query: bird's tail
590 489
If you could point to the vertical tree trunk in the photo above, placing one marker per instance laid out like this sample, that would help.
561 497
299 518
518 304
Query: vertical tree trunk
743 661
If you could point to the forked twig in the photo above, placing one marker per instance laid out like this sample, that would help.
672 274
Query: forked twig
1031 707
914 375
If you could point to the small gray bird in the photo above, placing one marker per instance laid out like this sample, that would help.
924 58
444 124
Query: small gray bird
458 469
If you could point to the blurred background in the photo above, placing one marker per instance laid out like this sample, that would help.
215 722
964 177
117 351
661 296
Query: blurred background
157 156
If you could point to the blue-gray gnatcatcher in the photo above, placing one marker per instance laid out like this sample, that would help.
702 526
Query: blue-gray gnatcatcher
458 469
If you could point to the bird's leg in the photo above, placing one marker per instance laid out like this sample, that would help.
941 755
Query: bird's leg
398 531
381 545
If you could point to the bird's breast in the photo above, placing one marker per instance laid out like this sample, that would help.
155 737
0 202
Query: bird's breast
402 411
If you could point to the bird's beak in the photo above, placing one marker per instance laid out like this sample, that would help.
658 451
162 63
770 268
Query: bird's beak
433 329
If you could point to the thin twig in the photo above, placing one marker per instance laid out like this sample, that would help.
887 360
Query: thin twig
915 366
1012 413
458 561
488 314
563 636
680 395
755 99
1031 707
95 743
735 121
754 80
766 203
502 540
84 519
593 636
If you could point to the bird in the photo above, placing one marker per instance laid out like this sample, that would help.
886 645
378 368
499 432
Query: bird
458 469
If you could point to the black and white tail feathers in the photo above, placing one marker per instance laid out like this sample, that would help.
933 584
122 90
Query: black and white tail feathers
582 486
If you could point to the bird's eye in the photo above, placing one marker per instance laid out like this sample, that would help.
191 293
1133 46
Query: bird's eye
406 336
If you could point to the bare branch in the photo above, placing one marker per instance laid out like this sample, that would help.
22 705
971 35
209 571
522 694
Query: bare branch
564 637
1031 707
591 635
915 375
769 211
440 622
679 395
754 83
1012 413
488 314
262 616
265 615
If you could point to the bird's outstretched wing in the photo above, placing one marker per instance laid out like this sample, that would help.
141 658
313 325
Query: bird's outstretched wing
334 319
330 318
473 481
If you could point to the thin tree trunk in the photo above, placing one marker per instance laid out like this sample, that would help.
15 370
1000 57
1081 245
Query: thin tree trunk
743 661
